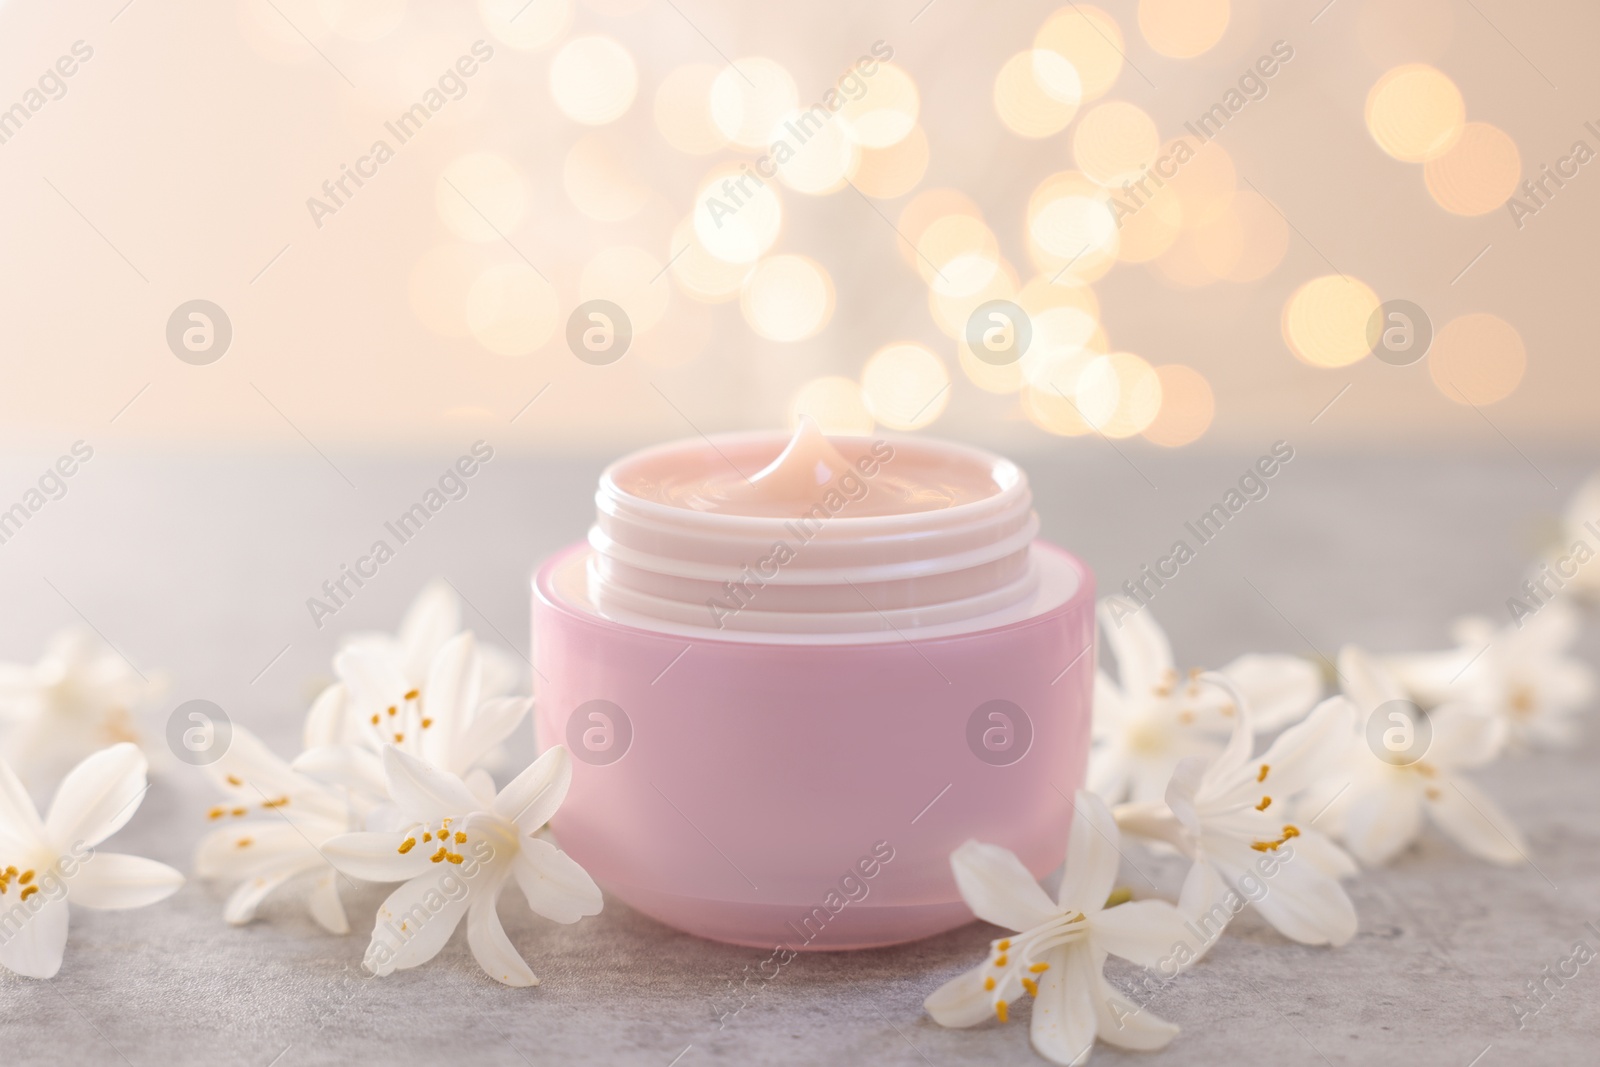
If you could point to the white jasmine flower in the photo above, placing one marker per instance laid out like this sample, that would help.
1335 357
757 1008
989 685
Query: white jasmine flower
443 722
1150 719
44 864
1376 804
1060 949
378 670
456 851
1230 815
79 698
1522 674
265 854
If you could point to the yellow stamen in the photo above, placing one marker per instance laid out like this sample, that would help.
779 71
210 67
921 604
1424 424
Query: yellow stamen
1265 802
1000 960
399 738
438 857
27 876
233 779
1039 968
393 710
1031 986
413 694
461 838
281 802
1261 775
1000 1010
988 984
238 813
32 889
374 718
455 857
244 842
1003 944
407 845
426 723
215 813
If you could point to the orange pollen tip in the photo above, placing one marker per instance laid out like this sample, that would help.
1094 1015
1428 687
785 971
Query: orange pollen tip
407 845
1000 1009
413 694
426 723
438 857
281 802
988 984
374 718
455 857
244 842
1031 986
1003 944
1261 775
238 813
1290 831
393 710
1039 968
233 779
27 876
215 813
399 738
461 838
1000 960
1265 801
30 891
427 836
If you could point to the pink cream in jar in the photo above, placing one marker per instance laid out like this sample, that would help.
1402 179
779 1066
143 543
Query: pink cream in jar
795 674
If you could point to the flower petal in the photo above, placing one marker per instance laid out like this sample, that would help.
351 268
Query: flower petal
19 819
1121 1022
532 797
491 947
423 792
962 1001
1383 818
1366 681
1463 737
1302 756
1144 932
1092 857
492 722
1143 654
377 857
1183 788
1477 823
555 885
413 924
242 904
243 850
1279 689
326 907
430 621
98 797
1064 1015
35 950
455 682
1302 901
114 881
372 674
328 721
998 888
351 766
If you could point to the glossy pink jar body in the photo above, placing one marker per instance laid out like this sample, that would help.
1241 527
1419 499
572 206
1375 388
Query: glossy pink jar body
809 795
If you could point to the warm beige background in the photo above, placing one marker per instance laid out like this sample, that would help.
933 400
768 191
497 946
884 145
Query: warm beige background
193 152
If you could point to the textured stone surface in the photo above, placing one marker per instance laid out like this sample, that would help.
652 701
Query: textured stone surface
201 566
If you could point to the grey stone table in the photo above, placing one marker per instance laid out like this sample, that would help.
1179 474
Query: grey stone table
200 565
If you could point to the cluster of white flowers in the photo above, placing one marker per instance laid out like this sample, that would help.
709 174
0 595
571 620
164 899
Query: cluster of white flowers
1345 784
393 785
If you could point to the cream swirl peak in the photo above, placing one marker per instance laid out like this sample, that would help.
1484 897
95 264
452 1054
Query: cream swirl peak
754 534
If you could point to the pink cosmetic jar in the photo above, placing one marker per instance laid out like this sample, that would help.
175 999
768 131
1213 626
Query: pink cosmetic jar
795 673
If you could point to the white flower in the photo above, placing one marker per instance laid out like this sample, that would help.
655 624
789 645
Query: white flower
264 855
1521 674
79 698
43 864
378 671
1230 815
1376 804
1061 946
456 851
443 722
1150 719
